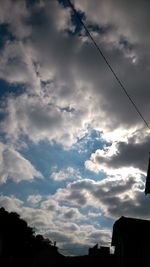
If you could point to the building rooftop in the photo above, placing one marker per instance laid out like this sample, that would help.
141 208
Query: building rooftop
132 229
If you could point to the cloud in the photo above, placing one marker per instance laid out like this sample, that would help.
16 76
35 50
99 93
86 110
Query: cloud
34 199
59 237
130 155
71 214
14 166
61 226
40 119
10 203
15 15
122 19
62 212
114 196
78 243
35 217
60 103
70 173
50 204
68 226
20 60
17 66
100 236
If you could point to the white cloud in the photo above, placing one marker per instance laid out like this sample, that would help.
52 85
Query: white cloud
11 203
50 204
67 174
62 228
34 199
14 166
35 217
40 119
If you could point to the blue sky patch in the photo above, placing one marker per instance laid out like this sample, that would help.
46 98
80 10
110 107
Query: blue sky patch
8 89
5 35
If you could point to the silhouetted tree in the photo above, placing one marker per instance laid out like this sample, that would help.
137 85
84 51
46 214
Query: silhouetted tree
19 246
16 239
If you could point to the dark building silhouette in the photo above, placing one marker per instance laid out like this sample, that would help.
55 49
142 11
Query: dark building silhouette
78 261
99 251
48 256
131 238
100 256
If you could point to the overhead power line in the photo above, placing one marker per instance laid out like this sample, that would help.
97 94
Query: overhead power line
108 64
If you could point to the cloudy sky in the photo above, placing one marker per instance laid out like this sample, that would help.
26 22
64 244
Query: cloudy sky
73 150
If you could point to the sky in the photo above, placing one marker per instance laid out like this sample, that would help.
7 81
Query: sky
73 150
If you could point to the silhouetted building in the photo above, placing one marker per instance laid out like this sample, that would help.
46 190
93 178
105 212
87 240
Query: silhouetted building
100 256
131 238
48 256
99 251
78 261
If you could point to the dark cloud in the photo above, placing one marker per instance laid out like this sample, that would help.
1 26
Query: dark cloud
130 153
79 197
115 196
69 214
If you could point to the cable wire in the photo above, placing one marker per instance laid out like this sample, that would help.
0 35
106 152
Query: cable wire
108 64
